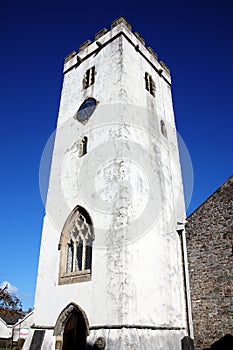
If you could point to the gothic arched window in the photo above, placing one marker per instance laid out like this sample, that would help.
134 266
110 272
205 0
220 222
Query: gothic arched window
76 247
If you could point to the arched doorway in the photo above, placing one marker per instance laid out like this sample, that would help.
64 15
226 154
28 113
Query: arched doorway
72 328
74 336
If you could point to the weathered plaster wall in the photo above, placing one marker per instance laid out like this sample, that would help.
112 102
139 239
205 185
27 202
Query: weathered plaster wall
209 244
130 183
134 339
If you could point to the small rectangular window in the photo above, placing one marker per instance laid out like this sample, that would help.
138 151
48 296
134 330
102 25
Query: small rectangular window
83 146
150 84
89 78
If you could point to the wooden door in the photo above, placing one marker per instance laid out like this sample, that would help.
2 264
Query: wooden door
74 336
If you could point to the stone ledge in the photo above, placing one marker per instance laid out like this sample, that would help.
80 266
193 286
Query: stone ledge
140 38
100 33
71 55
84 45
154 54
120 20
167 69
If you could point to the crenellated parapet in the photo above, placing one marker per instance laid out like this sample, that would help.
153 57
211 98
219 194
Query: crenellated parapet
119 26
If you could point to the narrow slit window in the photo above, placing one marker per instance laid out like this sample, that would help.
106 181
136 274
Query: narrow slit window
150 84
83 146
89 78
70 257
163 128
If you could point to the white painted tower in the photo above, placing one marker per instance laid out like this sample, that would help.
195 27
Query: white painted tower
112 261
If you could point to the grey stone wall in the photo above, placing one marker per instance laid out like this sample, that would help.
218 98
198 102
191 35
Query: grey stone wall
209 244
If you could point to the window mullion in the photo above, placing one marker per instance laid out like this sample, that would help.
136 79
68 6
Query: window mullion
75 256
83 254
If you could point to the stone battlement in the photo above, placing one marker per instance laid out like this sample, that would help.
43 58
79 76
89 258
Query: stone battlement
120 21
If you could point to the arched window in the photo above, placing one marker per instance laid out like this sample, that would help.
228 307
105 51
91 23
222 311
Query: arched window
76 247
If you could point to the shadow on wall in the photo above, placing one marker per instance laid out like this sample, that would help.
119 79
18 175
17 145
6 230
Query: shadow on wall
224 343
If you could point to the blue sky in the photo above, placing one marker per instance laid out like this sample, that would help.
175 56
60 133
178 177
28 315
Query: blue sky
194 38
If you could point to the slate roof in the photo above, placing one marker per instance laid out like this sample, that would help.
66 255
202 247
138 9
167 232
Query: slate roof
12 317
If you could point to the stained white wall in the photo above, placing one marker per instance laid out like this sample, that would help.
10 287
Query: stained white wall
129 182
5 331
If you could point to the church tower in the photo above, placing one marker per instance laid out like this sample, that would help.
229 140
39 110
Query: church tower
112 269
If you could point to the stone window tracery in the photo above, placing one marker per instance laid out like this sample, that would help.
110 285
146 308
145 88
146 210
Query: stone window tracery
76 248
